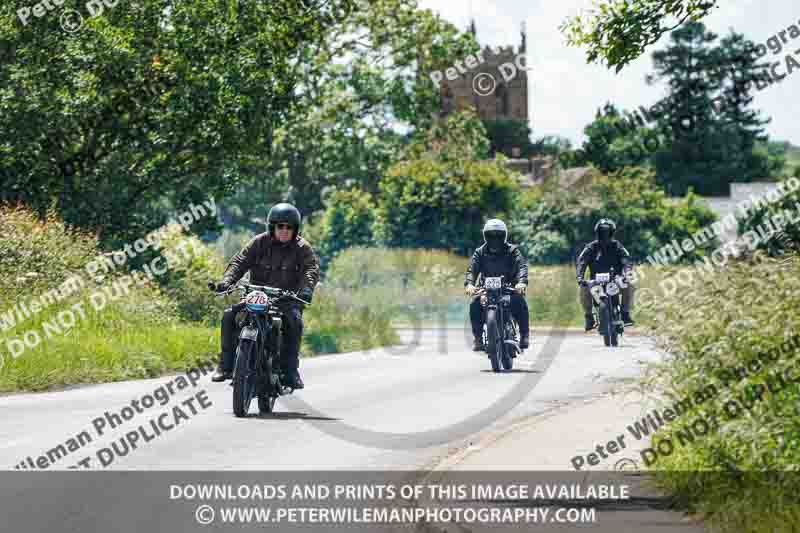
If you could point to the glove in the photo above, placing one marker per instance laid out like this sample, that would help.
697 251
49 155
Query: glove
219 287
583 283
521 288
470 289
305 294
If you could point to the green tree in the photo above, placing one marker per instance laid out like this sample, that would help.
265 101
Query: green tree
442 192
371 75
618 31
615 140
153 100
347 221
506 134
707 149
555 228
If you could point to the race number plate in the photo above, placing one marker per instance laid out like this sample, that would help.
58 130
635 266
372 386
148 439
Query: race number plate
494 283
603 277
256 301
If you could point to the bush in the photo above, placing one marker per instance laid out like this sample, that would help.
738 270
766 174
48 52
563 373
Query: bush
787 238
555 228
136 334
187 282
37 255
347 221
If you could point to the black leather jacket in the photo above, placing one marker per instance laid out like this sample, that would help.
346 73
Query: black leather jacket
508 263
598 259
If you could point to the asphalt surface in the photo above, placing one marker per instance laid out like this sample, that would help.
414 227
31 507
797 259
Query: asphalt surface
408 407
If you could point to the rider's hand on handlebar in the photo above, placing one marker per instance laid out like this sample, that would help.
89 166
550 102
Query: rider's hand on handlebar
470 289
583 283
219 287
305 294
521 288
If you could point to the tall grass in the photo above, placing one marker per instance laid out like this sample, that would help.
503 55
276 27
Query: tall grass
158 327
427 286
749 308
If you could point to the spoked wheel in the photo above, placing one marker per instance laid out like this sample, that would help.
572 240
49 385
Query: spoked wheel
507 360
493 340
606 326
266 401
244 377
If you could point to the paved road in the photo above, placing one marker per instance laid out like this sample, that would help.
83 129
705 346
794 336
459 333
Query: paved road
404 408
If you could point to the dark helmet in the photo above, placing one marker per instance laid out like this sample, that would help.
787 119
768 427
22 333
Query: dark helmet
495 234
604 229
284 213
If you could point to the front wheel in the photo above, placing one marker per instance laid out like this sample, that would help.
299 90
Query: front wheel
606 327
493 339
244 378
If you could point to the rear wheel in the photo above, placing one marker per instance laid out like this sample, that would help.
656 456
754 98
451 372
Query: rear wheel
244 377
492 339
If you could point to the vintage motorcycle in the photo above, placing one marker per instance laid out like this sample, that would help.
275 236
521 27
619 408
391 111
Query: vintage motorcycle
500 330
607 306
257 372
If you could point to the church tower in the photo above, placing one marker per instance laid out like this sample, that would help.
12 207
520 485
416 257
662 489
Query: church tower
497 88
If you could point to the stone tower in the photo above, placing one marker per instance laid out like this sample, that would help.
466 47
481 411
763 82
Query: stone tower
485 88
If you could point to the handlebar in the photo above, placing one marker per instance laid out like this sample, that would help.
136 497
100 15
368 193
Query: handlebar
506 289
272 291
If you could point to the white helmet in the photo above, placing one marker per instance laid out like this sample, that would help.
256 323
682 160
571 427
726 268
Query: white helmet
495 233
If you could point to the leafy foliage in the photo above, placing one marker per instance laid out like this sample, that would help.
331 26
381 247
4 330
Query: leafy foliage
618 31
556 229
442 193
151 100
781 240
347 221
506 134
706 149
730 320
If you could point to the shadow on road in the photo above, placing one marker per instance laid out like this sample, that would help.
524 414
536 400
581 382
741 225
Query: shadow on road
291 415
512 371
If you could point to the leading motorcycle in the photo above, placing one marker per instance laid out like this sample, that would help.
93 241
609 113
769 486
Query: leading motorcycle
500 330
257 372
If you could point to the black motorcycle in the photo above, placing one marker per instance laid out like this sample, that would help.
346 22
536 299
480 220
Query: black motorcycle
607 307
500 329
258 371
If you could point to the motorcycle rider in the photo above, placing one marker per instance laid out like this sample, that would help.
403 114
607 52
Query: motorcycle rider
496 257
278 258
600 256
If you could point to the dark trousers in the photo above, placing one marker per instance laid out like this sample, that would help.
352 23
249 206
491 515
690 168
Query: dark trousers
290 339
519 310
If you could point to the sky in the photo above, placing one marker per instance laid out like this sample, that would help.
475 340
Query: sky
565 91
